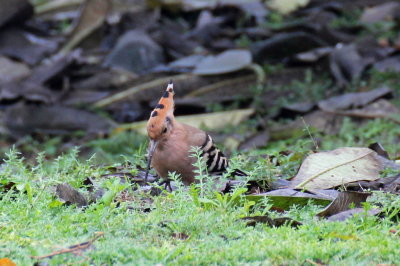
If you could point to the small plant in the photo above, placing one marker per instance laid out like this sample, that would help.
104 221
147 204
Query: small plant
114 187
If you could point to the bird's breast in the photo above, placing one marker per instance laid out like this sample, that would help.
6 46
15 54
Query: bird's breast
173 156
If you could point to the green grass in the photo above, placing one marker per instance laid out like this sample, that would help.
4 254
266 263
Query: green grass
215 236
33 222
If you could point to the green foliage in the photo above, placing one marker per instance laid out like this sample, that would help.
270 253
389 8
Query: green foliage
209 219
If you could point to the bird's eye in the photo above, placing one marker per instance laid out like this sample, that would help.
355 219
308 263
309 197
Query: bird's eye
164 130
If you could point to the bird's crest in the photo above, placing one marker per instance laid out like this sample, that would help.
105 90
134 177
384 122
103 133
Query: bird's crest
163 112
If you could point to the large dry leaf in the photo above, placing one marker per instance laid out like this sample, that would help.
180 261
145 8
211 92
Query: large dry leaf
325 170
213 121
226 62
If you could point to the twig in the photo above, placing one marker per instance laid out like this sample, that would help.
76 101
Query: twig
72 249
309 133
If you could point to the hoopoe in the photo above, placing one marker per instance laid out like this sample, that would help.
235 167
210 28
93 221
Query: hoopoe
171 142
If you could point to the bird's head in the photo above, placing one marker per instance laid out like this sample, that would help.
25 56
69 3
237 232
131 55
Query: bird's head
161 121
162 117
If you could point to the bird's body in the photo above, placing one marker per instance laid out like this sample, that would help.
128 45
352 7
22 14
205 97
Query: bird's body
171 143
173 154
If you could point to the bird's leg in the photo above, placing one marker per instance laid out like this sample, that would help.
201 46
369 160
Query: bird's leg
147 170
167 184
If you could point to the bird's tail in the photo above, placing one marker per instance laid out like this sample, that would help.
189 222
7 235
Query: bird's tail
237 172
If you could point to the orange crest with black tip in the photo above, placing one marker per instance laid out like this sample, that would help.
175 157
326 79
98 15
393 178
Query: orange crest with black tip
161 117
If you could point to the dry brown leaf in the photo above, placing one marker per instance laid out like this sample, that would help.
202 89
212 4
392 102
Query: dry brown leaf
325 170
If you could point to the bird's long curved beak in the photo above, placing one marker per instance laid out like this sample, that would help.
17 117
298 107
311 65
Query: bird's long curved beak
152 148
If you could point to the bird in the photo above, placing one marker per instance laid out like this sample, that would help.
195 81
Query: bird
170 144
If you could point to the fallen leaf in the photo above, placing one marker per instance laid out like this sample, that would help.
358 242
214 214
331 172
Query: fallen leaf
325 170
11 71
135 51
34 87
393 186
387 184
354 99
379 149
344 215
226 62
188 62
385 11
22 119
292 110
378 109
70 195
388 64
343 202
